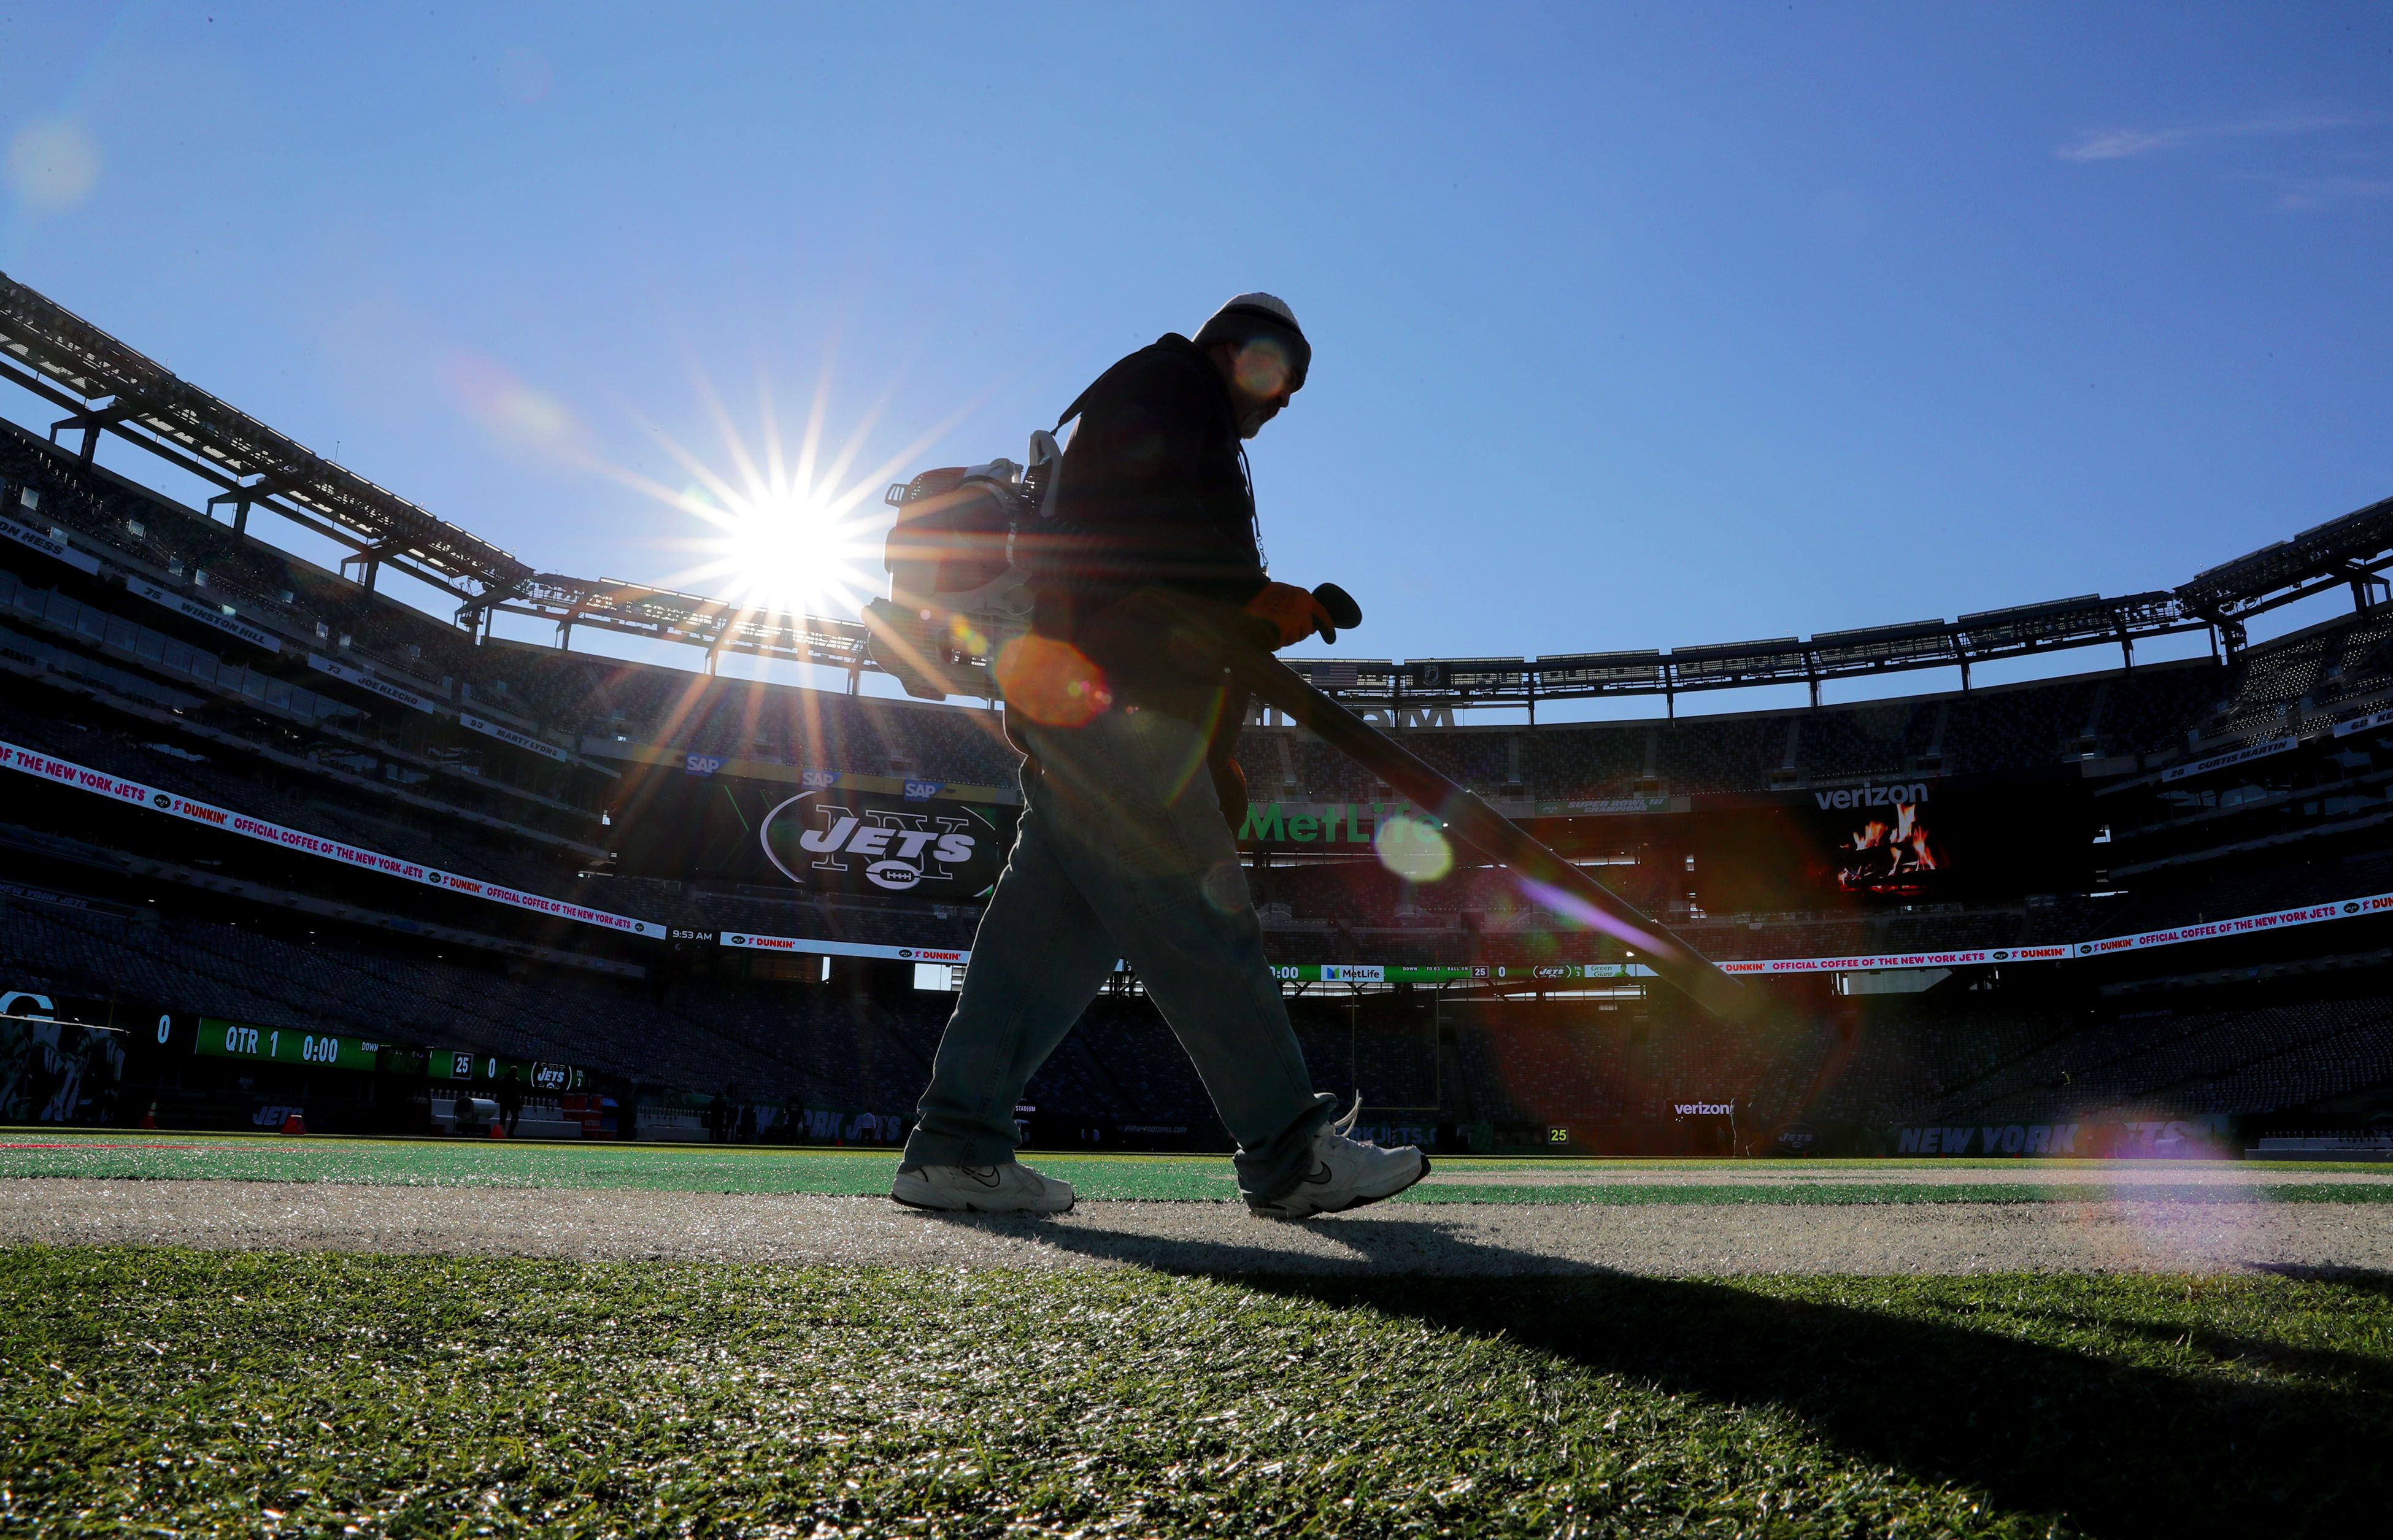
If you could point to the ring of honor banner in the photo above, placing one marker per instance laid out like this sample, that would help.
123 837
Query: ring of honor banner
99 783
835 837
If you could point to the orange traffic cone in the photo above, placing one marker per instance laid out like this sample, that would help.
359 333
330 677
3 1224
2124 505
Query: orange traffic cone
498 1129
293 1123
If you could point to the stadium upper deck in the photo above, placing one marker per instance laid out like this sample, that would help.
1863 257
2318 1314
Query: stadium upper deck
156 646
108 389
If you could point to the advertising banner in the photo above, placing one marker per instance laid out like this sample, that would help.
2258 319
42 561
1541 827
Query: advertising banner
1354 824
1877 962
813 838
810 946
1374 973
2250 924
67 773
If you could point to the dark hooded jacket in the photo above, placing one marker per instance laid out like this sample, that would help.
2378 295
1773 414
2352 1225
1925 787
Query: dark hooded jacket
1154 491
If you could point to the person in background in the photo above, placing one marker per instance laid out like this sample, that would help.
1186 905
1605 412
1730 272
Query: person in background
510 1099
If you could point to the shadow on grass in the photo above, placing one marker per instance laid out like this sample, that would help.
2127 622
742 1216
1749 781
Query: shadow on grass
2119 1449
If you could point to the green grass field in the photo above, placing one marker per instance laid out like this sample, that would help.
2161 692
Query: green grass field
160 1390
754 1169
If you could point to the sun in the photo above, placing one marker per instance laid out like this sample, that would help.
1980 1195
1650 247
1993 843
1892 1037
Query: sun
787 532
784 552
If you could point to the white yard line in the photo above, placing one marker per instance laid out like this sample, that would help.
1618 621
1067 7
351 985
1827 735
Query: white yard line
2131 1173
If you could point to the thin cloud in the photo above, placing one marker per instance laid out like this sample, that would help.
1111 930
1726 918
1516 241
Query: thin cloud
2120 144
2320 191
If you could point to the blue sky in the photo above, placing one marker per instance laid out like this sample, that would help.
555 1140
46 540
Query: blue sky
1635 326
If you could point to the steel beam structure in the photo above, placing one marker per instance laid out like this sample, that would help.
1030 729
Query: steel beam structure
108 388
662 614
1993 634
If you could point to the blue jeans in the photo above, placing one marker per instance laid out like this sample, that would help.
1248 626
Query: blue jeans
1121 854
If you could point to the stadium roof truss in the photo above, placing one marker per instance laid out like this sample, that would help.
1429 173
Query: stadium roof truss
2087 622
108 388
665 615
2354 550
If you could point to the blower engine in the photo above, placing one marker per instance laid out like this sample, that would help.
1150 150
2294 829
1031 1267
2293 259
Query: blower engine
957 593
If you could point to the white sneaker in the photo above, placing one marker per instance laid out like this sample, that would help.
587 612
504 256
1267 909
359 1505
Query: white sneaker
1347 1173
1008 1189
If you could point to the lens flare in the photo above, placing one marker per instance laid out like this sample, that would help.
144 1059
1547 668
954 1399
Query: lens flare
1570 905
1263 368
1051 682
53 166
1414 849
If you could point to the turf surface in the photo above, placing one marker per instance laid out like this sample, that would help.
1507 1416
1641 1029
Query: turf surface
164 1392
751 1169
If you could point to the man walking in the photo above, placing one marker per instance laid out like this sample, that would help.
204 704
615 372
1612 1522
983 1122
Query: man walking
1123 849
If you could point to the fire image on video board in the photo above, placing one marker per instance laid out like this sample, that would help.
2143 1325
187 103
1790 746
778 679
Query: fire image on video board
1891 851
1924 841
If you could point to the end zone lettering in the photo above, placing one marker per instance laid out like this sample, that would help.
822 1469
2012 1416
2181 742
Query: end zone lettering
1997 1139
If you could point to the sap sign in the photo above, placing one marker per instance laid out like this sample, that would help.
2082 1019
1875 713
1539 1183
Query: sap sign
701 765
